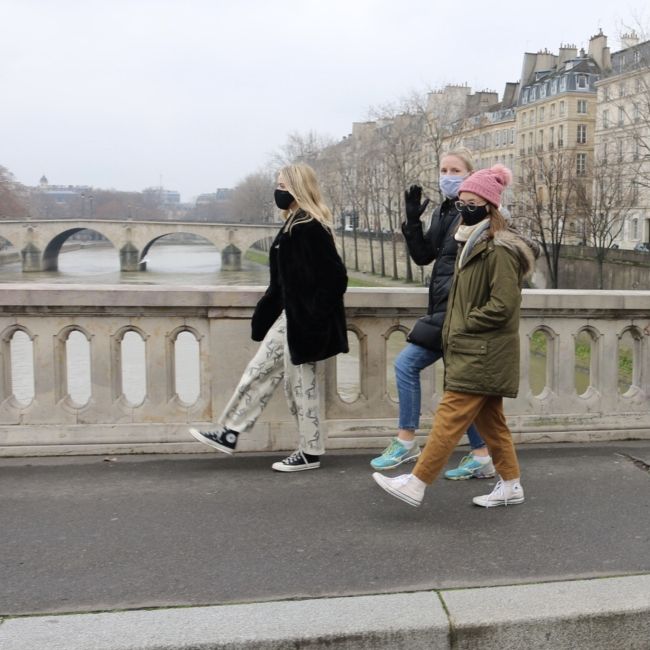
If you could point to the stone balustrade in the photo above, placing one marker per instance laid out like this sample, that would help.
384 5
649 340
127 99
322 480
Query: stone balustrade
210 327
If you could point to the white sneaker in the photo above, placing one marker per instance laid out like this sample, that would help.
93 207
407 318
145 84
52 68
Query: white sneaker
502 495
402 487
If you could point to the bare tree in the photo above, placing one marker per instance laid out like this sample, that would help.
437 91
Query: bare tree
547 199
440 112
252 198
13 202
302 148
401 152
603 210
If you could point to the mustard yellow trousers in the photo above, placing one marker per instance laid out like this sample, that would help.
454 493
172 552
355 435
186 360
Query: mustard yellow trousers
454 414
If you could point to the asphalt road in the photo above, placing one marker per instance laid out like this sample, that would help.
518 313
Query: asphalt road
91 534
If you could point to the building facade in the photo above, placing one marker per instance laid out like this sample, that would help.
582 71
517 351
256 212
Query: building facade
622 137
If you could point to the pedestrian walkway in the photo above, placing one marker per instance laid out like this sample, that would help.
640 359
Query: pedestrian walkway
105 534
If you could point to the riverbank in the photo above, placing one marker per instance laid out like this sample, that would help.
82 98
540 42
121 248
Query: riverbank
355 278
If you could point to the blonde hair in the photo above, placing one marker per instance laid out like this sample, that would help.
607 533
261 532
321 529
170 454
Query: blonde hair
301 182
462 153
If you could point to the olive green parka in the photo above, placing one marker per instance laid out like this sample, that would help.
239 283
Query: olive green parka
481 330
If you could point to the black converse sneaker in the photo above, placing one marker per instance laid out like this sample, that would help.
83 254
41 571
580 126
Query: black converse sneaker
222 439
298 461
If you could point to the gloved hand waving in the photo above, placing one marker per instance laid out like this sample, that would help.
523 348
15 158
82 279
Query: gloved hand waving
414 207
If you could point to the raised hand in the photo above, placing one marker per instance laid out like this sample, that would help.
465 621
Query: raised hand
412 202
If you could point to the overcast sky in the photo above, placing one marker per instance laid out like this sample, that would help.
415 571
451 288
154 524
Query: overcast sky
199 93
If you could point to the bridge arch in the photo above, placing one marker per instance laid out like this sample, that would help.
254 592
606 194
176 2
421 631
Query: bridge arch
50 259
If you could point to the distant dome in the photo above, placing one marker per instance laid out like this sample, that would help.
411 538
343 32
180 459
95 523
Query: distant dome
43 180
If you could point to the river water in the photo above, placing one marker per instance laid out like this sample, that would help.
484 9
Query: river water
197 264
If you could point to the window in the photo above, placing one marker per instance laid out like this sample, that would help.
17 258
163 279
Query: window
582 106
540 140
563 83
635 149
604 153
541 114
553 86
552 111
551 137
637 56
523 145
581 134
605 119
621 116
635 112
634 199
621 90
524 96
542 91
635 229
512 135
581 164
562 107
497 138
581 81
606 93
530 142
560 135
619 149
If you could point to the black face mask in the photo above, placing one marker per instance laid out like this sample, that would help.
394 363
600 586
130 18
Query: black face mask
283 199
473 217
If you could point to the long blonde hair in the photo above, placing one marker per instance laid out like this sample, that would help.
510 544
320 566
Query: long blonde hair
301 182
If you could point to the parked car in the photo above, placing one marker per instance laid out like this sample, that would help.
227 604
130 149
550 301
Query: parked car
642 247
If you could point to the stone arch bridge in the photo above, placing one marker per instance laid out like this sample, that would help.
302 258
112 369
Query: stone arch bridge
40 242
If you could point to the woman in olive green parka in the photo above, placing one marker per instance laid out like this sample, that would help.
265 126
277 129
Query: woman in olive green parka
481 332
480 343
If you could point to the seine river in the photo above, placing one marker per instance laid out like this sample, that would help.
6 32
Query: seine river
166 264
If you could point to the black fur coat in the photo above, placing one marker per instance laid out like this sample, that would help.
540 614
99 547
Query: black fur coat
308 280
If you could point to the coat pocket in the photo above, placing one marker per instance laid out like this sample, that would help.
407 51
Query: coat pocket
465 344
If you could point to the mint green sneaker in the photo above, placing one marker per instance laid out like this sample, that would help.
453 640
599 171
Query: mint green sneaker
469 467
395 454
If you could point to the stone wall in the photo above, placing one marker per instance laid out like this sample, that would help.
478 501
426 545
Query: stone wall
623 269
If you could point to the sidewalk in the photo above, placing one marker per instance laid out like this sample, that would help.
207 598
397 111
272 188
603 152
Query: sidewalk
226 543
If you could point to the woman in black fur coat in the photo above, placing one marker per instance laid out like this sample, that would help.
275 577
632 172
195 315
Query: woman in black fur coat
300 320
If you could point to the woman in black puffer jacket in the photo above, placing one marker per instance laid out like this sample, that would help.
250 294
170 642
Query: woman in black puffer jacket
425 346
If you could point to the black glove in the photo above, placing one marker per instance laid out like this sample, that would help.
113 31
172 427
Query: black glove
414 208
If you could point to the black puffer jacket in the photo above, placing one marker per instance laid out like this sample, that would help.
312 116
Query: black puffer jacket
437 244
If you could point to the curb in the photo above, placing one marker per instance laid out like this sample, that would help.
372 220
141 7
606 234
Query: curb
598 614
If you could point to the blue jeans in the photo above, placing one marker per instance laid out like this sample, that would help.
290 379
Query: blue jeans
408 365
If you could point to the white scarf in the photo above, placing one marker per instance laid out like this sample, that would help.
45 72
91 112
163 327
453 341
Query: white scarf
469 235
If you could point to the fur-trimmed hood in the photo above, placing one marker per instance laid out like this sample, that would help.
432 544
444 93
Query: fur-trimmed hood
524 248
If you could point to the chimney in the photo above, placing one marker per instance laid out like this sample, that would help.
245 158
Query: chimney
567 52
599 51
629 40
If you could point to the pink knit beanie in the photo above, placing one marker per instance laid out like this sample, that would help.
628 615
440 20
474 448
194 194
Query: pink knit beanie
488 183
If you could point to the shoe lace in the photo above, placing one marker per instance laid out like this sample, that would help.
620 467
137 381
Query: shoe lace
499 492
293 458
391 447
